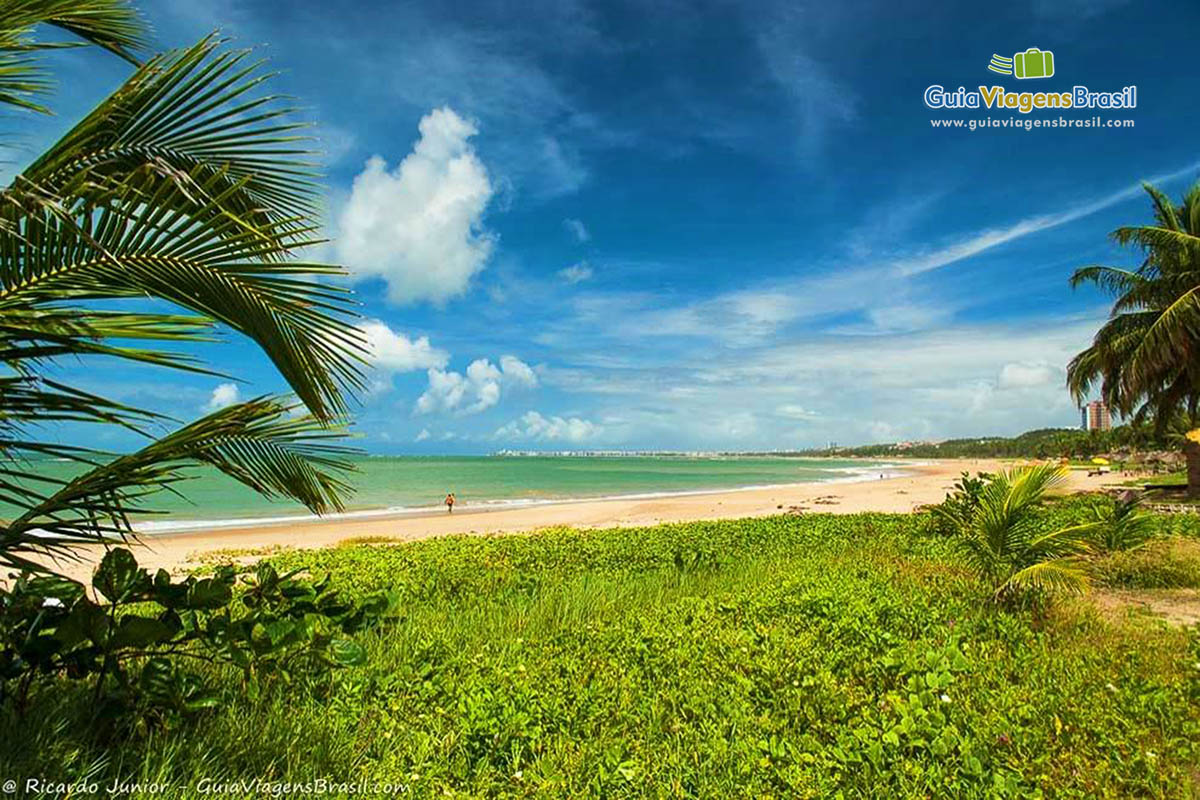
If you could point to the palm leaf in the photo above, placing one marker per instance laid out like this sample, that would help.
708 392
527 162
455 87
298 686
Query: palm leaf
111 24
258 443
190 117
209 263
1057 575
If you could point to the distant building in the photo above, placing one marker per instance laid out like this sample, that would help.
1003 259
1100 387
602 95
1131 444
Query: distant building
1095 416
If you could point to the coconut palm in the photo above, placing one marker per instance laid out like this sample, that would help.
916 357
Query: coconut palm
1007 546
1146 357
1120 525
186 197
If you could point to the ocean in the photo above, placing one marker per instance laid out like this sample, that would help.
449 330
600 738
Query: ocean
416 484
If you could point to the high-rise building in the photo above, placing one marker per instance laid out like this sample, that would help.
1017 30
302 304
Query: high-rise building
1095 416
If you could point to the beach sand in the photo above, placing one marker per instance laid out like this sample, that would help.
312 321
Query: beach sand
924 483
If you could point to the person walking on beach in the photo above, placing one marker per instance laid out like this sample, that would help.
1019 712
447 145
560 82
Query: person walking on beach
450 503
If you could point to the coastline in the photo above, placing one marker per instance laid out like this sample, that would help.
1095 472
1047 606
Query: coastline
177 527
921 483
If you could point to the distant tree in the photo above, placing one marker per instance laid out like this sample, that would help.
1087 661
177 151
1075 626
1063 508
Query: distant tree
1146 357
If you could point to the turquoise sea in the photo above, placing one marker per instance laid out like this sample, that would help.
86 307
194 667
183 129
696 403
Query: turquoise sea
410 484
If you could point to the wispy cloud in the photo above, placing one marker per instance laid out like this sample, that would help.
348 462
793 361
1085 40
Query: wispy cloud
577 229
957 380
980 241
819 101
576 273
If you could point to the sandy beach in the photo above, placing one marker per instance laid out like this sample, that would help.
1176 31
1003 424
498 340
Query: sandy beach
923 483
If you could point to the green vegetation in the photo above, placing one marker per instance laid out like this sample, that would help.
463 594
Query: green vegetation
1143 357
186 195
1042 443
1119 525
129 642
193 193
1005 541
786 657
1162 564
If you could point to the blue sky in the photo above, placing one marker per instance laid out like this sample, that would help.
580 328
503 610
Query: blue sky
698 225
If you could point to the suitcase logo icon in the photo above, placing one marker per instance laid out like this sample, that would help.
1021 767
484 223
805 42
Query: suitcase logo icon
1033 63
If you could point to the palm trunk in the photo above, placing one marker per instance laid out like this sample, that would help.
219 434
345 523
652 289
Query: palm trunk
1191 450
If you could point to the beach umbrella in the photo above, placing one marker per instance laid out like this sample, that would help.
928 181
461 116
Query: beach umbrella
1098 460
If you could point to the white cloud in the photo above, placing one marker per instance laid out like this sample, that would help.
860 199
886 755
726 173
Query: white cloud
226 394
576 273
395 352
423 435
517 371
1027 375
577 229
905 317
962 380
985 240
533 426
562 167
478 390
420 226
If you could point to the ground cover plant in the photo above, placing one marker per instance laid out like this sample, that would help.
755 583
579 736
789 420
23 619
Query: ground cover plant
786 657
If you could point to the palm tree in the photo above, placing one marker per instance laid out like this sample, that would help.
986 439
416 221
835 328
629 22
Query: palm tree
1004 542
185 188
1120 525
1146 357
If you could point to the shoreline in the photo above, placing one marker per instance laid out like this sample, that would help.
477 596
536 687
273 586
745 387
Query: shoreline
921 484
154 530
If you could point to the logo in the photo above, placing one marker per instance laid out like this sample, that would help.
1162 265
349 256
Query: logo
1030 64
1033 63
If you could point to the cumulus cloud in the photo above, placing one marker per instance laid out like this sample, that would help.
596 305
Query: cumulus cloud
226 394
577 229
517 371
965 380
576 273
423 435
477 390
419 227
533 426
395 352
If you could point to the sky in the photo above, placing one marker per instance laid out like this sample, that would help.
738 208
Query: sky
712 225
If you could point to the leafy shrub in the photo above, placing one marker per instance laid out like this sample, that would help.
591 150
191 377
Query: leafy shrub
132 642
960 503
1003 538
1119 525
573 663
1163 564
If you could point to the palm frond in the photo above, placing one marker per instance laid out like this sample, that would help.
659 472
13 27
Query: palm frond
258 443
111 24
191 118
209 263
27 400
1110 279
31 335
1057 575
